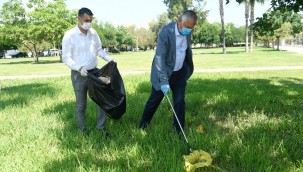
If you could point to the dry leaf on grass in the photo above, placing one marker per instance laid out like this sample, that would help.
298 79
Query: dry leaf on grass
200 129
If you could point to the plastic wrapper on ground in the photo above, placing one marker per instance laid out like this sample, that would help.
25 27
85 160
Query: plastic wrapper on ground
197 159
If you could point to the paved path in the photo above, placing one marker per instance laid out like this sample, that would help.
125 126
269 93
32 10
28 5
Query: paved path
291 48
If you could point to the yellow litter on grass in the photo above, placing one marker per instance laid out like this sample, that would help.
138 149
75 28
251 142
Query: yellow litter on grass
200 129
197 159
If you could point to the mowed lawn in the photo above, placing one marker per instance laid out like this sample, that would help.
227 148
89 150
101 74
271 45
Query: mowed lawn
247 121
141 61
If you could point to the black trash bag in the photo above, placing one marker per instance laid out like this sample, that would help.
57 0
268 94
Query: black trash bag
106 88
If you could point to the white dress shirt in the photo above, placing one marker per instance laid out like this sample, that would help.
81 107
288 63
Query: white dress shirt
80 50
181 46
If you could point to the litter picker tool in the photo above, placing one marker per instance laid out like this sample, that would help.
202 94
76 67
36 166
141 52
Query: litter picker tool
196 158
190 149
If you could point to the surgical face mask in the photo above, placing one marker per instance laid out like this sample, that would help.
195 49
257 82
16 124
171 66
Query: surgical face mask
185 31
86 25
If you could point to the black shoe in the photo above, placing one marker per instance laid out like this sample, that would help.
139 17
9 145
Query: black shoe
143 125
105 132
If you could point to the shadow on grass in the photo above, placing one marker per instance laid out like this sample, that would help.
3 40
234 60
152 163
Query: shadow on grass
250 125
21 95
228 52
17 62
48 61
273 50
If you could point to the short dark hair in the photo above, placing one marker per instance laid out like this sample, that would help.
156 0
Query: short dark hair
188 14
83 11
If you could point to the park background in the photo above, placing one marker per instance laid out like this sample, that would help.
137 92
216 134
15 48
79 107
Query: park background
244 106
35 27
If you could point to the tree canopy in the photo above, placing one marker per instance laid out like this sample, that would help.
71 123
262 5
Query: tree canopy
276 24
287 5
44 22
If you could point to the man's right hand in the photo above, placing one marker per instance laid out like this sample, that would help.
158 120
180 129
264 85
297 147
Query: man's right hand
165 88
83 71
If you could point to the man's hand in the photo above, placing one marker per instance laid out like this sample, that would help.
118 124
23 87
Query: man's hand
83 71
165 88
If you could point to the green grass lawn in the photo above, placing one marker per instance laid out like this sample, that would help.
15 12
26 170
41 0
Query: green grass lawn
252 121
141 61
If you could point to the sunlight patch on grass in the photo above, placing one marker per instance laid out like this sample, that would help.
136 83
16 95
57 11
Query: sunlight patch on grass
221 97
243 121
276 83
292 93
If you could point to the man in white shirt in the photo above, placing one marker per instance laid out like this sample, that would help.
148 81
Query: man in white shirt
80 47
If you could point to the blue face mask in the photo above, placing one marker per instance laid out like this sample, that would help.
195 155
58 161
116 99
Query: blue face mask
185 31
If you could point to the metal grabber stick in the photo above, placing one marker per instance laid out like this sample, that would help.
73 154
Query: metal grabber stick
190 149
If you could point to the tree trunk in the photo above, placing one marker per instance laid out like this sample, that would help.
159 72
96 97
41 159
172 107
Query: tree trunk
278 43
222 23
36 58
33 50
60 54
246 24
252 20
291 43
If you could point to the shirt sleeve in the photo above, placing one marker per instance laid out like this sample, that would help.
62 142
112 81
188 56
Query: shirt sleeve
101 52
160 57
67 53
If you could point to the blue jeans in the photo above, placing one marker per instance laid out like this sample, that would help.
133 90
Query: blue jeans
177 83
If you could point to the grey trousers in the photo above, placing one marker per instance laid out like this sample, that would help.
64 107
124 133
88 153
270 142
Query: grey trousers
80 85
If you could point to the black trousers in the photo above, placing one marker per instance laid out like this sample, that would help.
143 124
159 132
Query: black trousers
177 83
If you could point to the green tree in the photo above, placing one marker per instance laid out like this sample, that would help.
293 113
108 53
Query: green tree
234 35
249 4
176 7
5 45
221 7
49 21
12 17
107 33
246 24
45 22
252 20
155 26
246 20
144 37
287 5
208 34
272 22
263 28
124 38
283 32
